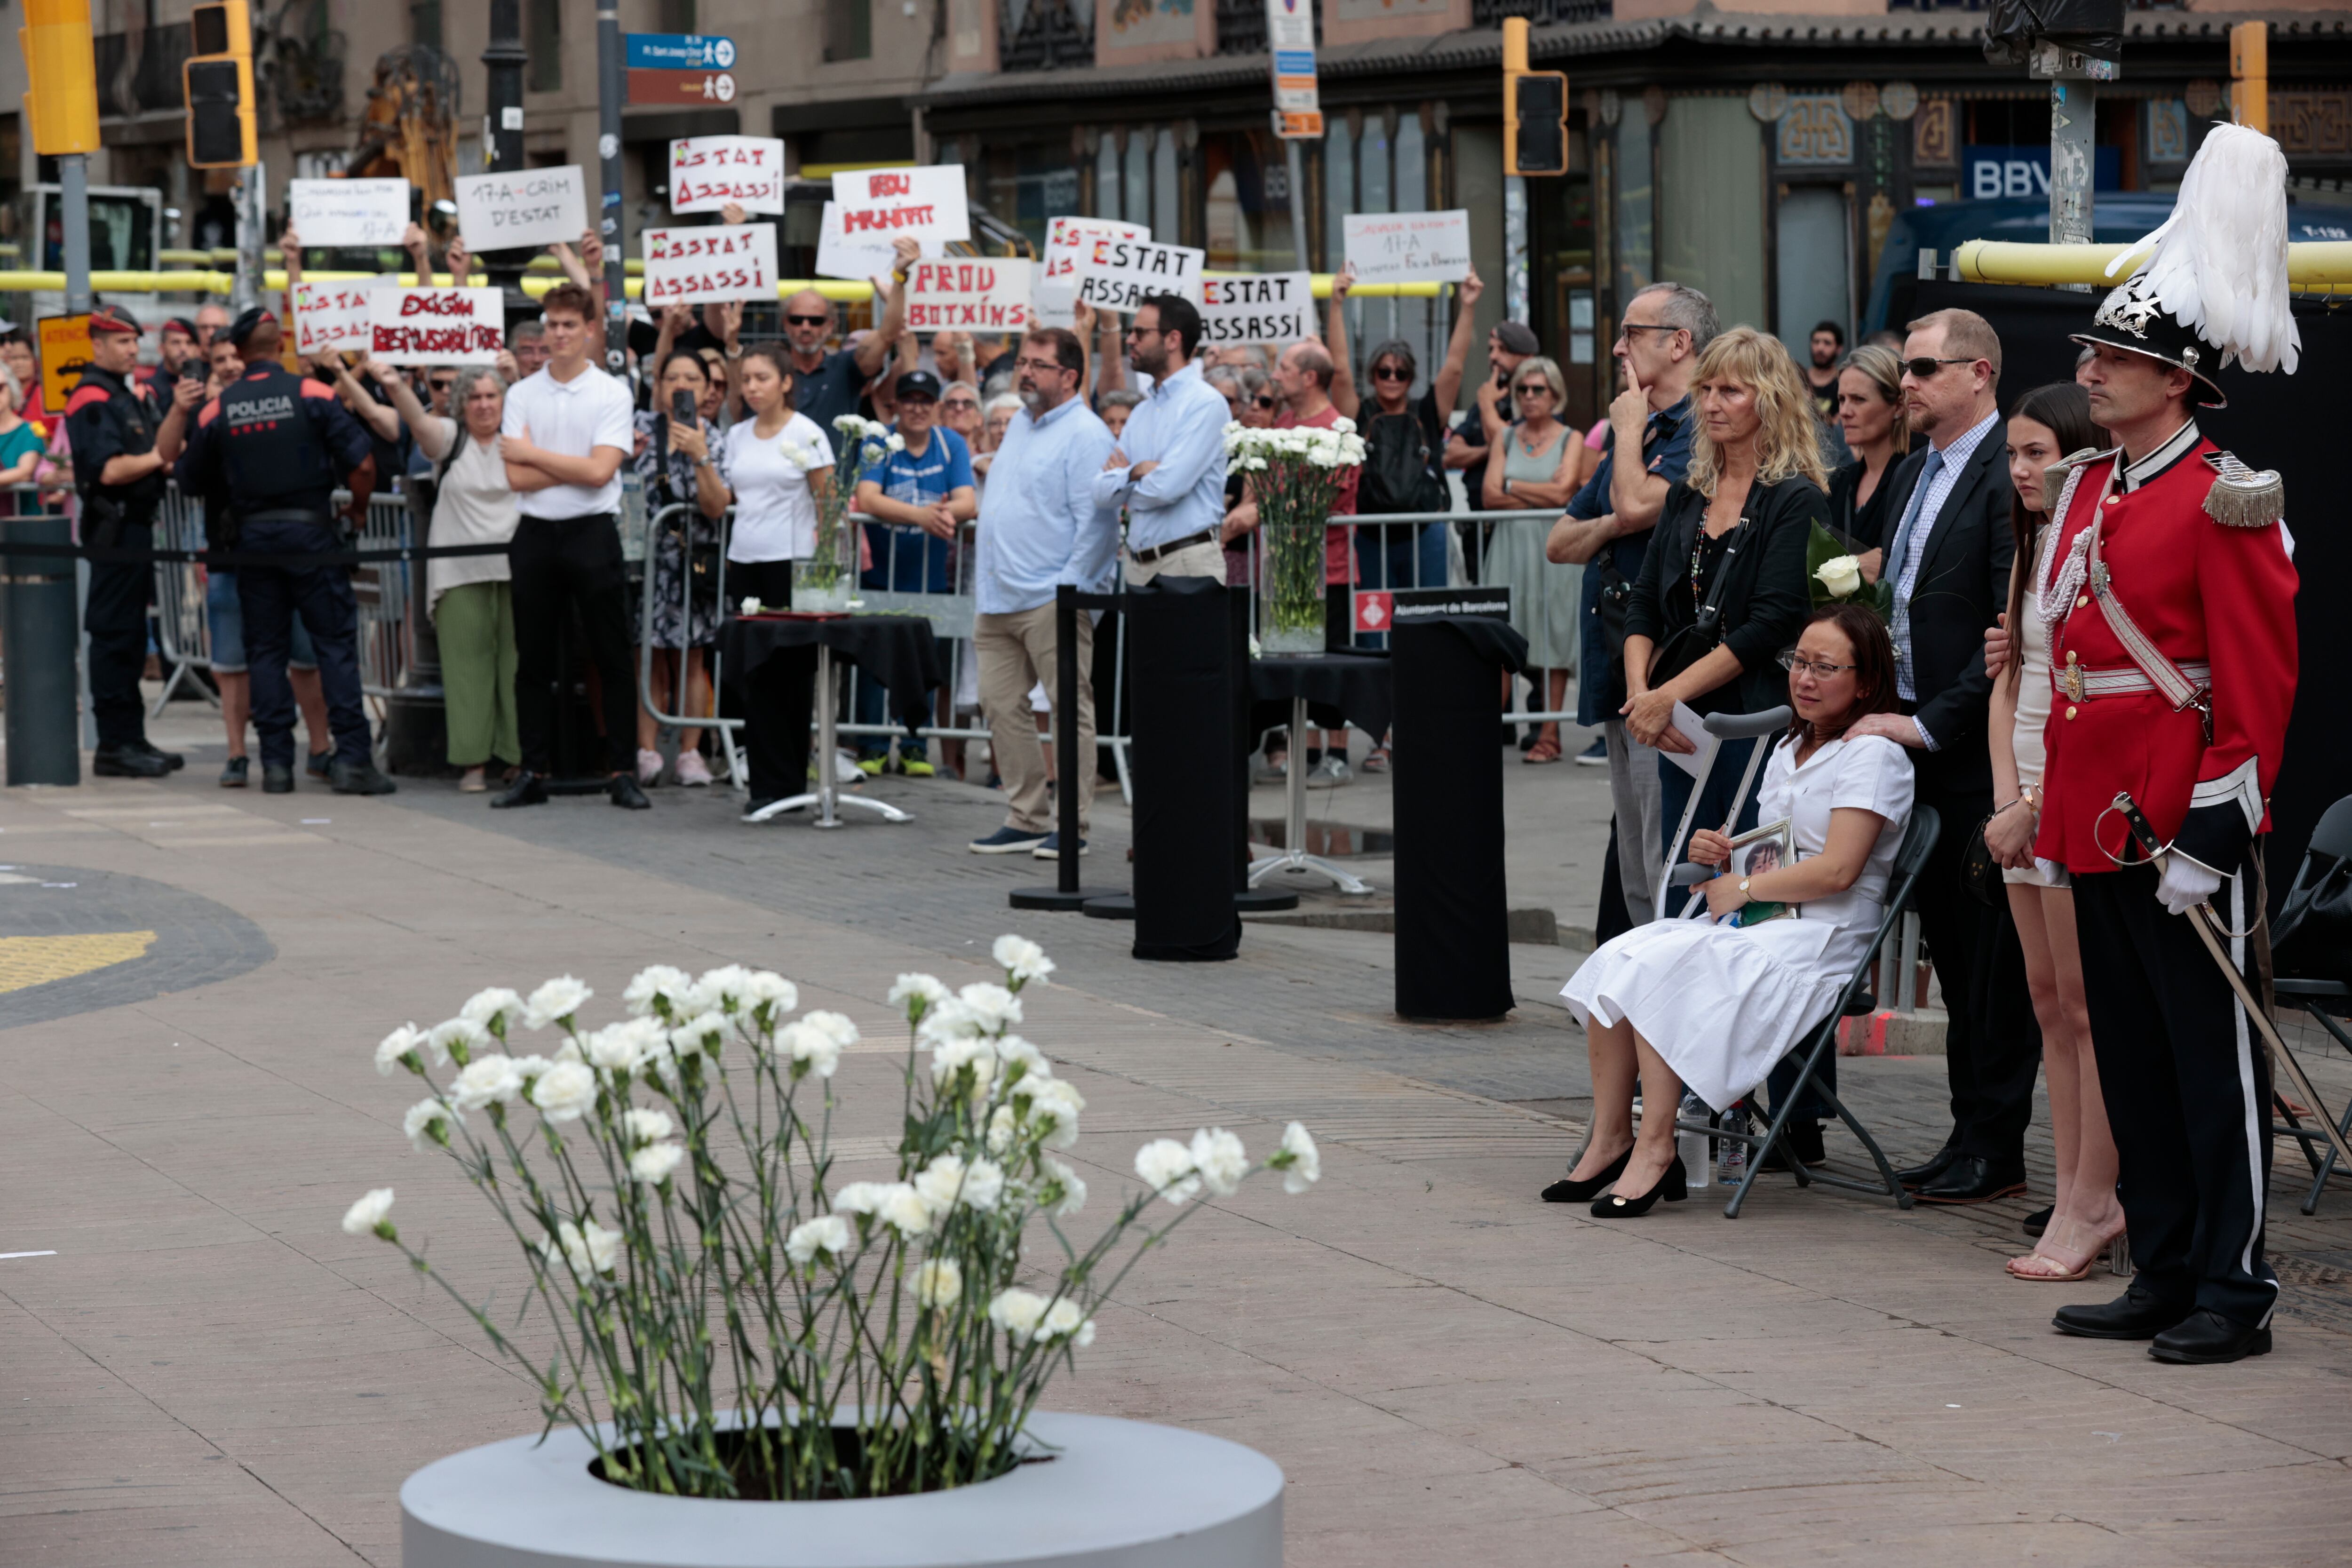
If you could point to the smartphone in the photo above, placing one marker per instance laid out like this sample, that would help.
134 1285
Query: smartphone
681 408
195 369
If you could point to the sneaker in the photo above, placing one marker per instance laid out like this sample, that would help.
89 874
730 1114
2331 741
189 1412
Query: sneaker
1009 840
692 770
871 767
1330 774
1378 761
1275 769
649 765
232 773
1051 849
846 770
1595 755
917 767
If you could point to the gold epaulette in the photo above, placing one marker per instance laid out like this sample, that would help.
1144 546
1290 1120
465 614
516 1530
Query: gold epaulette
2054 476
2242 497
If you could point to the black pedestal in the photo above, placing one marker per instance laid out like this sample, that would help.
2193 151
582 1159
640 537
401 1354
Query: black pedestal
1180 646
1453 936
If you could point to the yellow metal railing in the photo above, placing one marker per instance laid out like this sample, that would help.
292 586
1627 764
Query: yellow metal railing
536 283
2314 265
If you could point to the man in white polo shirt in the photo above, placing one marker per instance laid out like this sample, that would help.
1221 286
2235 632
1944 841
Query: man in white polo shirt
568 428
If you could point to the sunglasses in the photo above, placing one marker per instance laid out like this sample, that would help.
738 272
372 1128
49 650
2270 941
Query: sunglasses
1265 402
1533 389
1924 369
443 383
1391 373
809 321
1142 333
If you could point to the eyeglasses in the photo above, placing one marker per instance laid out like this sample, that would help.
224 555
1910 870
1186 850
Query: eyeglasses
1391 373
1142 332
959 403
809 321
1925 369
1796 663
1626 330
1040 365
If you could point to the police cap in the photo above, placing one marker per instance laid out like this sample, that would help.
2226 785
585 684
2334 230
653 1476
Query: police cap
246 326
106 318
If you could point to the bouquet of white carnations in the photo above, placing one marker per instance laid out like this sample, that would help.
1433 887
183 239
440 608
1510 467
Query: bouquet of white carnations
865 444
1294 474
749 1326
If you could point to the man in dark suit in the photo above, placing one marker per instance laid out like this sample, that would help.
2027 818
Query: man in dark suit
1948 559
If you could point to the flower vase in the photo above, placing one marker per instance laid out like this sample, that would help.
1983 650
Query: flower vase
827 579
1290 587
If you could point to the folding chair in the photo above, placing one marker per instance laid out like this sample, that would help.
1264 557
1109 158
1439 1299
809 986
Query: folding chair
2324 862
1854 1002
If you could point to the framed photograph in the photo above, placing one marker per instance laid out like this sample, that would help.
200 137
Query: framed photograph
1761 850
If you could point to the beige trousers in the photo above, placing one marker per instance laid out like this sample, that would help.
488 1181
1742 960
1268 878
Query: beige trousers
1017 652
1207 560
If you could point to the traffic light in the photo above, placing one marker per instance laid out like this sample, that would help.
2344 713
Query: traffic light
61 100
218 78
1535 110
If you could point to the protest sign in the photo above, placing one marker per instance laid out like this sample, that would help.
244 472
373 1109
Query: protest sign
858 260
531 208
436 326
706 173
926 201
730 262
330 318
348 212
1121 274
1271 308
970 293
1058 283
1409 248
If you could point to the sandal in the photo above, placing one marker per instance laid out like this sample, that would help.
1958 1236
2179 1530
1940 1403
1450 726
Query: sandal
1544 751
1377 761
2051 1267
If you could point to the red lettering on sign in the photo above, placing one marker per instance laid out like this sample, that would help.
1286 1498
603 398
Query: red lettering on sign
889 185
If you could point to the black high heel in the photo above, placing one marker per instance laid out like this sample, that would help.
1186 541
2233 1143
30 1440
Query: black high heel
1568 1190
1674 1186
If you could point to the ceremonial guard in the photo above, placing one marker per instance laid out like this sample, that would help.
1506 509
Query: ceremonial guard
123 439
276 443
2169 589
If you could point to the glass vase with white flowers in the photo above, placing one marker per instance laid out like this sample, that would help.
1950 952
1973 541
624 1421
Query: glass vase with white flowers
731 1319
1294 474
827 580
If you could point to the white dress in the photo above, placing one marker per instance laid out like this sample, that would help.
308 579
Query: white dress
1722 1004
2033 706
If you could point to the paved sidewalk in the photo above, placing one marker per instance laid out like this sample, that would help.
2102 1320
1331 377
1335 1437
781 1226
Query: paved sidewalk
207 1371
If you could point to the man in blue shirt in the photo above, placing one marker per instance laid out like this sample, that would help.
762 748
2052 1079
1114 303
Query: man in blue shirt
825 385
1608 524
1168 469
920 493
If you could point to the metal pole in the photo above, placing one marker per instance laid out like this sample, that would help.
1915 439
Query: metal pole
1298 202
245 289
73 202
1065 732
610 91
502 145
39 630
1515 247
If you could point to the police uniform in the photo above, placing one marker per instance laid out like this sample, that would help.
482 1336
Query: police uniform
275 443
2169 590
109 416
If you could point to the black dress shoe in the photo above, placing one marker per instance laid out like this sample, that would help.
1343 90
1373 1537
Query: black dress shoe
1920 1175
1674 1186
1972 1180
528 789
232 773
277 778
361 778
1804 1135
319 765
624 793
2137 1314
1568 1191
2205 1338
128 762
2034 1224
172 759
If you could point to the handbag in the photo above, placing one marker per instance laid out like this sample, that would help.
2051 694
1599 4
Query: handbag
2312 940
1979 872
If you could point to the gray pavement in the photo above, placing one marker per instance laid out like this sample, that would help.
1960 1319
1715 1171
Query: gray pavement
207 1371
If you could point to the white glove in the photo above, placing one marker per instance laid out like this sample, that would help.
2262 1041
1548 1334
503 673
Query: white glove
2184 884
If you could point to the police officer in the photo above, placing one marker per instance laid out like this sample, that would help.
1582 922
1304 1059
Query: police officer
123 439
276 443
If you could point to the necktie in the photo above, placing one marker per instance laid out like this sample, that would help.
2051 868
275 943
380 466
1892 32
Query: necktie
1899 554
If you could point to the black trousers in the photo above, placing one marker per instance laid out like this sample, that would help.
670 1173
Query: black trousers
115 616
2188 1087
1992 1043
270 598
559 564
780 696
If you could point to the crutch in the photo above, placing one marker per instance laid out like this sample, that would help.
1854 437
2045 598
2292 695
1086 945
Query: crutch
1723 727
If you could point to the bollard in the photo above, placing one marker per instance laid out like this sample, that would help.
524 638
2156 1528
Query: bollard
37 639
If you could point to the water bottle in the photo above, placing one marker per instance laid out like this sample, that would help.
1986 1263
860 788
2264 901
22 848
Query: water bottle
1690 1145
1731 1154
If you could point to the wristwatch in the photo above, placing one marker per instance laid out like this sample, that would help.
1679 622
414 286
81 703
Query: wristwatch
1506 484
1744 892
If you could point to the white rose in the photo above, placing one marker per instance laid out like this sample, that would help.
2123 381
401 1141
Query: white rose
1218 1155
1066 1320
655 982
653 1164
485 1081
552 1002
645 1126
938 1282
827 1234
368 1213
429 1125
1071 1196
1298 1161
1166 1167
565 1093
1841 574
1022 959
400 1042
1017 1312
487 1007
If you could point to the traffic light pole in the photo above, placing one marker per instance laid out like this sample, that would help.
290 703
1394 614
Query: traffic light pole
245 291
73 205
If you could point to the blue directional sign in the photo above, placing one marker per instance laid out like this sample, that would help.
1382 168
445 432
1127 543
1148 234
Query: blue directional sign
679 52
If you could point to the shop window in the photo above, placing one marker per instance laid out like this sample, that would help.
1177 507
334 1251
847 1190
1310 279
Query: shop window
1106 176
1338 189
848 29
1029 184
1711 204
1246 177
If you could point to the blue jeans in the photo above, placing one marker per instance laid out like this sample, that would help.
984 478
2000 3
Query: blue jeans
1399 556
271 598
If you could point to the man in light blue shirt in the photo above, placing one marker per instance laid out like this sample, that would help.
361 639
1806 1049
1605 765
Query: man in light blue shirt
1040 527
1168 469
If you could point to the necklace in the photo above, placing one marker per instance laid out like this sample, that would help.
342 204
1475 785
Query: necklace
1529 446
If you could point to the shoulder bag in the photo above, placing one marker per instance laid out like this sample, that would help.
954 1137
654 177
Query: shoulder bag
1695 642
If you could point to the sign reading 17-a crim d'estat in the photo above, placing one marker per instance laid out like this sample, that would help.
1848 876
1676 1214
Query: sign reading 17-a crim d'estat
1409 248
531 207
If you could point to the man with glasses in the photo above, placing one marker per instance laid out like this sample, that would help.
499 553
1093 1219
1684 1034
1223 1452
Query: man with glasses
1949 559
1169 468
1607 527
1040 527
825 386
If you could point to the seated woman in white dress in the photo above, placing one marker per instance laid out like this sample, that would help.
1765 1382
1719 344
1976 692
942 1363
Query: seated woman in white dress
1712 1004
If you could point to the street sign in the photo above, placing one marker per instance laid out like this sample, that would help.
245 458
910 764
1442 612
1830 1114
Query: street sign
679 52
1290 41
65 354
680 88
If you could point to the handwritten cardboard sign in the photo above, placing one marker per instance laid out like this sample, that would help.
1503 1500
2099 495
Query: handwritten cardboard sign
1121 274
330 318
970 293
1409 248
926 201
436 326
348 212
728 261
859 260
1270 308
1057 282
706 173
531 208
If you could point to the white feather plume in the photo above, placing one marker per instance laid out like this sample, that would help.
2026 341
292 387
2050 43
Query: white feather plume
2219 263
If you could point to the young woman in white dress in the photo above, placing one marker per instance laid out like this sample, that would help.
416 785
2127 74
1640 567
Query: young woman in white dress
1713 1005
2048 422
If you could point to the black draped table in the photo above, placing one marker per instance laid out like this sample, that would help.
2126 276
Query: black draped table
1353 686
899 651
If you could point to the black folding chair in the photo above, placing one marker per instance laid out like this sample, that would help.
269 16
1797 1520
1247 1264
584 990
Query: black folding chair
2324 863
1854 1002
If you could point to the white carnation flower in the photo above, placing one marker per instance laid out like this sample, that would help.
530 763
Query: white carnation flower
1218 1155
860 1197
948 1019
766 986
626 1046
1298 1161
948 1181
368 1213
645 1126
1066 1320
653 1164
719 990
928 990
1013 1052
588 1249
485 1081
953 1056
1018 1313
1053 1100
1166 1167
406 1038
1022 959
1003 1130
938 1283
750 606
806 1042
429 1124
654 982
895 442
552 1002
827 1234
904 1210
703 1032
461 1037
1073 1190
487 1007
564 1092
994 1008
835 1026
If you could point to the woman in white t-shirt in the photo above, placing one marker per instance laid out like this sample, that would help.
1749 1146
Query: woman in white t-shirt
775 457
469 597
